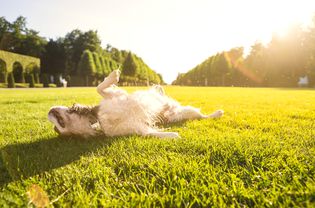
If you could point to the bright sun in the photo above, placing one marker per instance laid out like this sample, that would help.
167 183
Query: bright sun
278 16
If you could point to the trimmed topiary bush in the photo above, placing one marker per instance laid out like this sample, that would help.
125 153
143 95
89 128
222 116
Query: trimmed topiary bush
45 80
87 67
3 77
11 81
31 80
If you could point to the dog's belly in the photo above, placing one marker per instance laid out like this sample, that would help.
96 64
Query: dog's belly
125 116
133 114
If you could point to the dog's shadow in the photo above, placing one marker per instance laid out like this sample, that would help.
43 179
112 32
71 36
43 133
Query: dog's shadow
19 161
23 160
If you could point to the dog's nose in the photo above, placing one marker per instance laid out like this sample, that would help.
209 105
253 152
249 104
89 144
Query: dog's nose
52 111
56 109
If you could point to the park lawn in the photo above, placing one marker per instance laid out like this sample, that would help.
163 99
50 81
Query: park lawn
260 153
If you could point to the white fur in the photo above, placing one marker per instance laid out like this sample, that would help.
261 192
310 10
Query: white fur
121 113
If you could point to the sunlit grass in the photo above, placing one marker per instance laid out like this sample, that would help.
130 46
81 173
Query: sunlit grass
261 153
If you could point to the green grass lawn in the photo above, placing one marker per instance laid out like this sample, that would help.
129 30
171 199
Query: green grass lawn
260 153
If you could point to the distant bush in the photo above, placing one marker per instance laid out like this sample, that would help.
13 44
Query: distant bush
11 81
45 80
38 85
21 85
87 67
31 80
68 79
3 85
3 77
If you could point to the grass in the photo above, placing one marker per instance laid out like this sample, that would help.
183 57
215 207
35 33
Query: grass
261 153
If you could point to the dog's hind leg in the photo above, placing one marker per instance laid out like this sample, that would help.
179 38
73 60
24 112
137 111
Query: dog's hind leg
216 114
162 135
182 113
107 88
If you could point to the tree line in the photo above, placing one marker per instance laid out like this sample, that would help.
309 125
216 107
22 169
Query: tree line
280 63
78 57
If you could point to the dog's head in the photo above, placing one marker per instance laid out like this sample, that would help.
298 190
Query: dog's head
76 120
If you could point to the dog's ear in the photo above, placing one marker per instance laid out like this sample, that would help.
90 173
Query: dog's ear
94 110
79 109
89 111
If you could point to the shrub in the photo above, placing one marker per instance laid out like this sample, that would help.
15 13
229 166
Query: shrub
21 85
3 77
11 81
45 80
3 85
68 79
31 80
57 80
87 67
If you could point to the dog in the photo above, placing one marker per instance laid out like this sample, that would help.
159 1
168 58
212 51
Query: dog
120 113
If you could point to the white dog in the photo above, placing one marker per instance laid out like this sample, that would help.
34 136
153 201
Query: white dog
120 113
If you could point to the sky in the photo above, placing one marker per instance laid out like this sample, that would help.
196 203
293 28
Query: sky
171 36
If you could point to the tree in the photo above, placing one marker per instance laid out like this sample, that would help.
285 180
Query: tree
16 37
98 65
309 44
87 67
62 57
5 37
129 66
53 59
76 42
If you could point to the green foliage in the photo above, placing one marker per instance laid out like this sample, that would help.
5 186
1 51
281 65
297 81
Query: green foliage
216 70
86 65
3 71
63 56
16 37
53 60
11 81
11 58
76 42
31 80
45 80
103 65
57 80
107 65
259 154
98 65
278 64
129 66
3 77
36 72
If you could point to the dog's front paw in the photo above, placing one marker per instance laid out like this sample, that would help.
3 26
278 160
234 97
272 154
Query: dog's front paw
113 77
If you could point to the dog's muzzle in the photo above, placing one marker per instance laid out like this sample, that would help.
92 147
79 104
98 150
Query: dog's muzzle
55 113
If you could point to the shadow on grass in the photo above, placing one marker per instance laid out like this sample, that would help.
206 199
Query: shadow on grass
19 161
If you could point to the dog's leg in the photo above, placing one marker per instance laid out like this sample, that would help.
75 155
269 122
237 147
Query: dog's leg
182 113
104 88
216 114
159 89
162 135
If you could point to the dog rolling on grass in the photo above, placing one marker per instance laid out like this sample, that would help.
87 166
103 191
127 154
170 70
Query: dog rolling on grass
120 113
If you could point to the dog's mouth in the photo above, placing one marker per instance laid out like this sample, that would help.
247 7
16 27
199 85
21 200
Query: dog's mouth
53 112
57 130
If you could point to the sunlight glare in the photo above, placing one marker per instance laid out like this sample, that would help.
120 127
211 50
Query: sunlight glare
279 16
